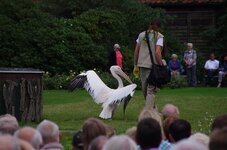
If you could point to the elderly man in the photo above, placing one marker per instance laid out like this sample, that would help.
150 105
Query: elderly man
30 135
50 134
8 124
170 110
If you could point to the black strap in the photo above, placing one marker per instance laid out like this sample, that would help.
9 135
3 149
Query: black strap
149 46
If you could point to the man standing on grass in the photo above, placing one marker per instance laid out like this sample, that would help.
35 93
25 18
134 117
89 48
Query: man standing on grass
142 59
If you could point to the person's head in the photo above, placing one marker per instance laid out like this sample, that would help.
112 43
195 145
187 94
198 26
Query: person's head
218 139
116 47
149 112
131 132
8 142
201 138
121 142
49 131
212 56
174 57
98 143
189 46
219 122
166 124
155 25
225 57
30 135
187 144
109 131
98 128
170 110
8 124
179 129
77 143
148 134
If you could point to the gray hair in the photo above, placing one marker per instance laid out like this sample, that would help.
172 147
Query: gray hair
8 124
190 44
98 143
189 145
121 142
49 131
117 46
30 135
174 55
170 110
201 138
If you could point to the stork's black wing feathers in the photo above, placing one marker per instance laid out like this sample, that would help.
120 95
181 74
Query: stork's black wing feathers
77 82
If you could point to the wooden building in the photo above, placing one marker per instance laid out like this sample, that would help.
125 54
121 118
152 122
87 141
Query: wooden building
192 17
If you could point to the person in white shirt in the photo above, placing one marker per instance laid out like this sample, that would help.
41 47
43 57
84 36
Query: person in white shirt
211 67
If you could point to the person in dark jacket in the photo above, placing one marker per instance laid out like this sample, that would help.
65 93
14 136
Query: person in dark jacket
174 66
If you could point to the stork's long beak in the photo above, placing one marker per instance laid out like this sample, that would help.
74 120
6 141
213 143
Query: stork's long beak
122 74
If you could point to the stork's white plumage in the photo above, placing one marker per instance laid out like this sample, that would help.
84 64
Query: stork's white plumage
102 94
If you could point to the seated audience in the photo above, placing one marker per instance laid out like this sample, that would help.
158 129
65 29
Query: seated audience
30 135
50 135
179 129
98 143
149 112
148 134
187 144
8 124
222 69
169 110
211 66
201 138
98 128
131 132
174 66
8 142
109 131
219 122
218 139
121 142
77 141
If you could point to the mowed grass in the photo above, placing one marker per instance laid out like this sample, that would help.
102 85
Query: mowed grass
70 109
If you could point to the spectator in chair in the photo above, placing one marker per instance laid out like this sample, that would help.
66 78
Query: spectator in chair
218 139
188 144
211 66
219 122
148 135
98 143
77 141
174 66
170 110
98 128
8 124
222 69
121 142
180 129
30 135
50 135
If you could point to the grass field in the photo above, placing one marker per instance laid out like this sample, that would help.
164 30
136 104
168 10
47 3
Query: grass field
69 110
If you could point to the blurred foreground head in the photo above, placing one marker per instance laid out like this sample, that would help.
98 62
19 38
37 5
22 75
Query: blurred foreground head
8 124
121 142
170 110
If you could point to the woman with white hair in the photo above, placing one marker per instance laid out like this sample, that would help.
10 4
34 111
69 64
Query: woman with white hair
174 66
116 56
190 57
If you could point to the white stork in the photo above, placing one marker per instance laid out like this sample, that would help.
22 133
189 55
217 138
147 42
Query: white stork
102 94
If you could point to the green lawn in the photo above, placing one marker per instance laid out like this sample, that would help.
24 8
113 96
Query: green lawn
197 105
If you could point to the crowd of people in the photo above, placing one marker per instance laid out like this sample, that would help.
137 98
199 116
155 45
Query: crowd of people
212 67
164 130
